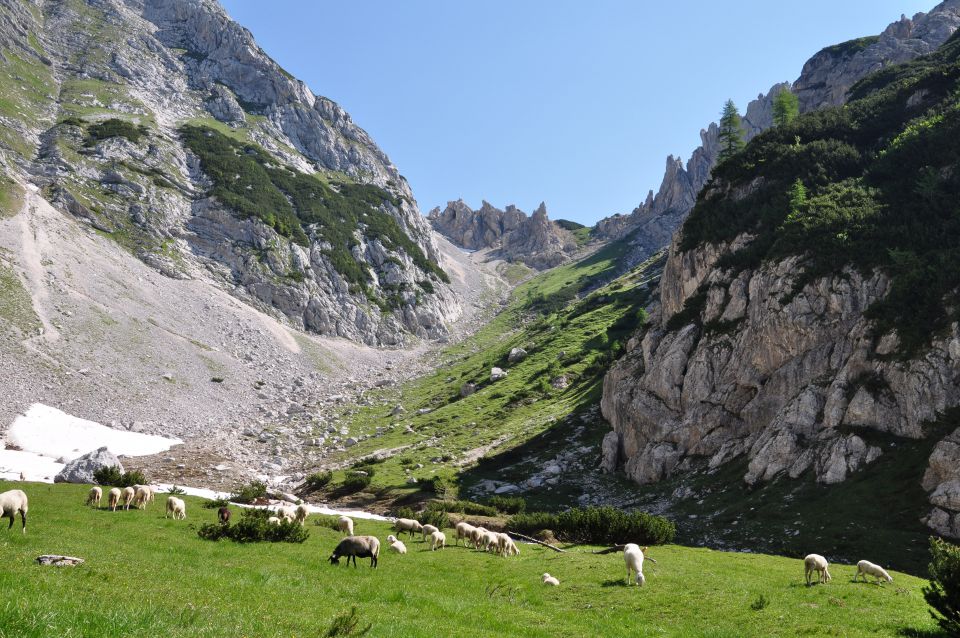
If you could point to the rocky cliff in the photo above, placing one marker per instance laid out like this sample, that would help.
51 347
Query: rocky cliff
825 80
302 214
807 336
511 234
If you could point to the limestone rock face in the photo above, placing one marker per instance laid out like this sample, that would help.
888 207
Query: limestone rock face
825 80
536 240
81 469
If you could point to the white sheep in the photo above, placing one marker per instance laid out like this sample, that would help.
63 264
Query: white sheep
549 580
438 540
504 544
865 568
489 541
816 563
11 503
510 548
407 525
464 530
345 525
476 536
141 497
94 497
427 530
396 545
285 511
113 498
633 557
273 520
127 495
302 514
176 507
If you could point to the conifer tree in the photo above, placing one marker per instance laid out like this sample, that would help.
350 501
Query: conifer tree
786 106
731 132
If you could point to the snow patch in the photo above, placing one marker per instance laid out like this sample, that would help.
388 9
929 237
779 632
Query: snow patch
36 468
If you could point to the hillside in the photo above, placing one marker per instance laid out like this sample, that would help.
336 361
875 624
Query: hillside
807 328
191 587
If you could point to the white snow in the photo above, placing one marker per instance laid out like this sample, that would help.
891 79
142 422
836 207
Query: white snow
46 436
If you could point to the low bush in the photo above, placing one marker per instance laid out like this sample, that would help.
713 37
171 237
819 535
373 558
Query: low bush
508 504
436 517
355 482
250 492
318 480
439 485
216 503
943 594
404 512
598 525
464 507
114 128
253 527
111 475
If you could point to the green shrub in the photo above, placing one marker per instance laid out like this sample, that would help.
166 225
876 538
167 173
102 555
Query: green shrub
114 128
254 528
404 512
943 594
319 480
598 525
347 624
216 503
112 476
508 504
442 486
436 517
464 507
250 492
175 491
355 482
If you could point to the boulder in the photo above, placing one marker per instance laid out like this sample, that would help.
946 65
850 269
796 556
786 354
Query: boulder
516 355
497 373
610 452
81 469
467 389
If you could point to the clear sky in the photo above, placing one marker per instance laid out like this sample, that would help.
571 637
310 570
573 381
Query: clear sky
573 103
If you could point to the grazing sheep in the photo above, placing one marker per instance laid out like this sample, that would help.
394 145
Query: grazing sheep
865 568
113 498
23 477
476 536
549 580
285 511
633 557
11 503
511 548
141 497
426 530
127 495
489 541
396 545
407 525
223 515
354 546
438 540
464 530
273 520
177 507
816 563
345 525
302 514
94 497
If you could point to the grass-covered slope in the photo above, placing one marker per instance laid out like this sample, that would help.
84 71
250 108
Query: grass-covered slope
150 576
573 321
873 184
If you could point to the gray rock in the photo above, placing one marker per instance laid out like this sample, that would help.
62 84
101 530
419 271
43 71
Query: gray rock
81 469
509 488
516 354
467 389
610 452
497 373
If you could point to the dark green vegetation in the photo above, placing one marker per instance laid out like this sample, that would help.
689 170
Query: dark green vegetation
112 128
851 47
943 594
731 132
253 527
572 321
598 526
881 179
114 477
570 225
250 492
184 586
249 181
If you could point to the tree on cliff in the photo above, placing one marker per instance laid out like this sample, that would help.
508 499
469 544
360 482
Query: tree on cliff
786 106
731 132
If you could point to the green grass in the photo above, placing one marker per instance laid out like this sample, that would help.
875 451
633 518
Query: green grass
578 340
150 576
11 197
16 306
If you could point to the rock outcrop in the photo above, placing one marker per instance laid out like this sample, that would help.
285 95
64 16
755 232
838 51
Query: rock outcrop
825 80
81 469
161 64
535 240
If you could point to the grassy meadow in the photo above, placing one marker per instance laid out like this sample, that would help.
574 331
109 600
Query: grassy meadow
150 576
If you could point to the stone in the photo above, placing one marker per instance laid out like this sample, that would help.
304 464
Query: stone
467 389
509 488
610 452
397 411
497 373
516 355
350 442
81 469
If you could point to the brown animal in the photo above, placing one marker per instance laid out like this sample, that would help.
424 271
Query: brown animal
223 514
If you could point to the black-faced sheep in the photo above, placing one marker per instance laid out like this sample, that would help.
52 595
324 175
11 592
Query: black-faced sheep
223 515
357 546
12 503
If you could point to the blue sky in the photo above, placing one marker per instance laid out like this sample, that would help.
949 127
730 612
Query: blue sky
573 103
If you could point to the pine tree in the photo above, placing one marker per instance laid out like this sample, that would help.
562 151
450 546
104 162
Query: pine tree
731 132
786 106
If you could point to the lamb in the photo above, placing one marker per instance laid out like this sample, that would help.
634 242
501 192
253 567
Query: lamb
396 545
865 567
94 497
633 557
127 494
223 515
141 497
177 507
354 546
11 503
345 525
407 525
816 563
427 530
438 540
302 514
285 511
549 580
464 530
113 498
273 520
